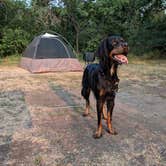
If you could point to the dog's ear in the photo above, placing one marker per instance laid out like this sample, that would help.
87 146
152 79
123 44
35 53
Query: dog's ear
109 44
102 49
102 52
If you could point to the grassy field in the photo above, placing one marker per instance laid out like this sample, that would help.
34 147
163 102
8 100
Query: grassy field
14 60
41 121
10 60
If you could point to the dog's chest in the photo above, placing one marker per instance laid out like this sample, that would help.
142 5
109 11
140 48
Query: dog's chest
107 85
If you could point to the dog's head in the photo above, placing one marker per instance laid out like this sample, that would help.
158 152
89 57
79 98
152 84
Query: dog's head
113 49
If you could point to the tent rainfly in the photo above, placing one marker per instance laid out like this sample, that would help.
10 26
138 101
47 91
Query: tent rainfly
49 53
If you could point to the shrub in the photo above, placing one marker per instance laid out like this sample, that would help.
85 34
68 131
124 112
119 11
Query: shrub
13 42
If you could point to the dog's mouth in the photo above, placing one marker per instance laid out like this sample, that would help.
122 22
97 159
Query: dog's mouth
120 58
119 55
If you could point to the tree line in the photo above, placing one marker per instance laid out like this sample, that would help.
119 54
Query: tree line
84 23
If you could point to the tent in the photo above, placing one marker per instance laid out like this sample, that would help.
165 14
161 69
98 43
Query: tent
49 53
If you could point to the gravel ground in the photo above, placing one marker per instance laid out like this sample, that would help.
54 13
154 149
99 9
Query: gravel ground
41 121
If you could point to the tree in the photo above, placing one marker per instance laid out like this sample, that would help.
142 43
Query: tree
86 22
73 12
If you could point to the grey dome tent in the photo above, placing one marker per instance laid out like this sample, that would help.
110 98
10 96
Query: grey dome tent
49 53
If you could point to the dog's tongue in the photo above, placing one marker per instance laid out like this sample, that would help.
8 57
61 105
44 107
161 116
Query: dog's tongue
121 58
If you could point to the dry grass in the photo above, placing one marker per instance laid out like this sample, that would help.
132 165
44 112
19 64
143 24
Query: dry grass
41 129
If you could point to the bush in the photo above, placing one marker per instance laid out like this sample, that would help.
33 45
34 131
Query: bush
13 42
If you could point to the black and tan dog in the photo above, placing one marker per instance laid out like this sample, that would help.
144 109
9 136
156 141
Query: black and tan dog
102 79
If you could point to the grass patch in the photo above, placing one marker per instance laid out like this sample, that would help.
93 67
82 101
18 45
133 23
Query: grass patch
38 161
10 60
145 59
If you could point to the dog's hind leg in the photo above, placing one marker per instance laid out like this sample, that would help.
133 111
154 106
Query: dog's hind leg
86 93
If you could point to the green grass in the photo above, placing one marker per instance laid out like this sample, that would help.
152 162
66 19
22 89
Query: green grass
10 60
38 161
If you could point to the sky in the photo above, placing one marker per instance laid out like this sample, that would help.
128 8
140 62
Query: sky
55 2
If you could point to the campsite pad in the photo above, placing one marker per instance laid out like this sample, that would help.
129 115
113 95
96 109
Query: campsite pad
47 128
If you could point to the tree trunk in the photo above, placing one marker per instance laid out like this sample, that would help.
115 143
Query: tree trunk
77 41
77 30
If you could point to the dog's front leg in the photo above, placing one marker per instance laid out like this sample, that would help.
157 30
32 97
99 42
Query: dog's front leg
104 112
99 105
110 107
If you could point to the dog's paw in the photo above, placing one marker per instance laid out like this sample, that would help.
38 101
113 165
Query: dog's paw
112 131
97 135
85 114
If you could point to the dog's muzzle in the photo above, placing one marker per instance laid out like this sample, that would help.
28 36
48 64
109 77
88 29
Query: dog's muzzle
119 54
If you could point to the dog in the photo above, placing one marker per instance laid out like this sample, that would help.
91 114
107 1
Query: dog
102 79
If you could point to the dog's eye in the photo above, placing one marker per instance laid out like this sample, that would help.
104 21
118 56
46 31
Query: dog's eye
114 43
122 40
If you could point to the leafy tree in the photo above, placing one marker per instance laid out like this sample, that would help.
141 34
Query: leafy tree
146 31
84 23
13 42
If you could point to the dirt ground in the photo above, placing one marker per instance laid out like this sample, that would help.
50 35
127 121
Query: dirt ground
41 122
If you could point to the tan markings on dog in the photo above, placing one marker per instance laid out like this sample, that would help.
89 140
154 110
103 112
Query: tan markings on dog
112 70
111 130
109 124
104 112
98 133
87 112
110 55
102 92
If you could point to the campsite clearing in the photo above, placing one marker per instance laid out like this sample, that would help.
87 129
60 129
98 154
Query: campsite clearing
41 119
